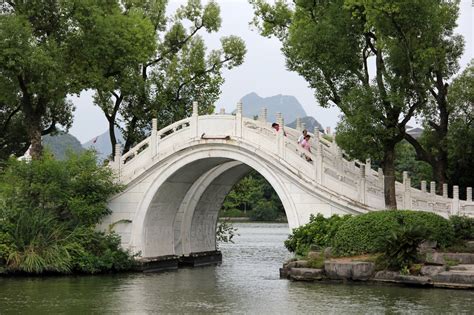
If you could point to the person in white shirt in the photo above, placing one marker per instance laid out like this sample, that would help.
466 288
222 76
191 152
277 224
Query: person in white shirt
302 136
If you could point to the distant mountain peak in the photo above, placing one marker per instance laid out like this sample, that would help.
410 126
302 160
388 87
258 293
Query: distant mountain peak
287 105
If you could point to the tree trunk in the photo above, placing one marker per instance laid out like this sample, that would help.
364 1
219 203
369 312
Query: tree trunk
34 134
113 139
388 166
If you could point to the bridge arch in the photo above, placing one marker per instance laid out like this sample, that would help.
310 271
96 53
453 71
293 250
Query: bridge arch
178 212
178 177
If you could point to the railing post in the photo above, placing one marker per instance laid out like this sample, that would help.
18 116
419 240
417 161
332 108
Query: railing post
153 137
298 124
194 121
380 176
469 194
423 186
222 111
406 191
362 184
317 137
238 120
118 159
455 207
319 163
263 115
281 136
445 190
368 167
433 188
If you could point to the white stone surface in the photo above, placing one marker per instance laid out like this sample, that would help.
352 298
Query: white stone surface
178 178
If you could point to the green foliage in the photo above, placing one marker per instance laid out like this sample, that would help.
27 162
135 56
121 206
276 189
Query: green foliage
316 261
225 232
253 196
463 227
406 161
400 248
367 233
48 213
332 45
320 231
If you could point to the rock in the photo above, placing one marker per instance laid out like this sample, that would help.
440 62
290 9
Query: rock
354 270
470 244
427 246
285 264
446 258
297 264
314 255
462 268
328 252
386 275
284 273
306 274
431 270
455 276
406 279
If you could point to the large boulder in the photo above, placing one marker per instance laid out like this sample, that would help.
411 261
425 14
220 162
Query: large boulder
306 274
352 270
449 258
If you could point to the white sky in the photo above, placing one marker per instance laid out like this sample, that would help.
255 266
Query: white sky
263 71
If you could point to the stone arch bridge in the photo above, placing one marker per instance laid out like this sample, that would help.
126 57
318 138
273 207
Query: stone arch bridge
177 178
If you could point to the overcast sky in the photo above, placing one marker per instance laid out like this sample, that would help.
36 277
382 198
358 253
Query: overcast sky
263 71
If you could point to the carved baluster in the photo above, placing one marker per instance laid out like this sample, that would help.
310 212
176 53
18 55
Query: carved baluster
298 124
238 120
455 207
433 188
469 194
445 190
194 121
263 114
222 111
423 186
153 137
362 184
406 191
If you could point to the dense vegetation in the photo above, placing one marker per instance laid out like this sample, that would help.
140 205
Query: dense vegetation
368 233
49 210
368 59
255 198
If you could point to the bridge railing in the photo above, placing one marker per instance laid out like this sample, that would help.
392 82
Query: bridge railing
330 166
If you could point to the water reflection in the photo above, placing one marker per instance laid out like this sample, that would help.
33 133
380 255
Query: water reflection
247 282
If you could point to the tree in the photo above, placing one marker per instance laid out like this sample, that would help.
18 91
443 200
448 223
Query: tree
175 72
34 64
460 138
370 58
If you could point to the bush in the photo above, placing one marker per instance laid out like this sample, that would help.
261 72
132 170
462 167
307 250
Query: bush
264 211
463 227
400 249
48 213
367 233
319 231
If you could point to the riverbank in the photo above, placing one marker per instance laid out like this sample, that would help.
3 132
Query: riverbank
441 270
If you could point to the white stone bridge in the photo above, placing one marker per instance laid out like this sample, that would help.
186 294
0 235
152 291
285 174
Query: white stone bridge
177 178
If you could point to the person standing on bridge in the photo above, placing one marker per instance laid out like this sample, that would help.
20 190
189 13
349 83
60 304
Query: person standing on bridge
277 128
306 144
301 137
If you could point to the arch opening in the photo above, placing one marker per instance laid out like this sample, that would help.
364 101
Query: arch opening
181 215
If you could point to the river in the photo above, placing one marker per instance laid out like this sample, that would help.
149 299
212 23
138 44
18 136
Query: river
247 282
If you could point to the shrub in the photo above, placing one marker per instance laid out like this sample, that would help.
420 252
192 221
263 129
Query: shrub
264 211
367 233
319 231
463 227
400 248
48 212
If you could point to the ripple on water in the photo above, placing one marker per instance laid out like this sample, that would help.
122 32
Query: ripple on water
247 282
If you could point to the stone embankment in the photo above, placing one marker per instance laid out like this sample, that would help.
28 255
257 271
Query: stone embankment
442 270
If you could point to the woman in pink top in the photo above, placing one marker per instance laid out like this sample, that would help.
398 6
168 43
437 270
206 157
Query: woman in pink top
306 144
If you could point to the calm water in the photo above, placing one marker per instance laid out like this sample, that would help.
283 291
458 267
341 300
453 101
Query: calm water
246 282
